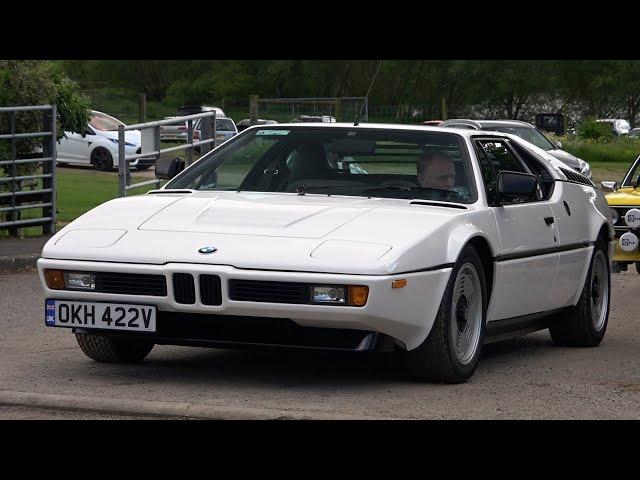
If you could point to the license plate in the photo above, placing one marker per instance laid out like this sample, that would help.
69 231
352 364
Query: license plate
104 316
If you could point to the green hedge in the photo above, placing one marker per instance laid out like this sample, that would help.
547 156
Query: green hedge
622 150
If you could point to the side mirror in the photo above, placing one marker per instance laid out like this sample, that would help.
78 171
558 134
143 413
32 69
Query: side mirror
516 184
609 186
167 168
559 145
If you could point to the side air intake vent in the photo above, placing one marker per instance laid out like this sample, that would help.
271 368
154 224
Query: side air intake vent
576 177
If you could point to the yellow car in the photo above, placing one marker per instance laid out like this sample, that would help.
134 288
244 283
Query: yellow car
624 200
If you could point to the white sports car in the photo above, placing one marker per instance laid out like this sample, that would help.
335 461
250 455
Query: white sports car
440 241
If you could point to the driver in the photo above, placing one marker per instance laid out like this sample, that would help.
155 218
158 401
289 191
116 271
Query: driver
436 170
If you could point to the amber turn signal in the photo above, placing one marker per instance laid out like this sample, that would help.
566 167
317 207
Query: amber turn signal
358 295
399 283
55 279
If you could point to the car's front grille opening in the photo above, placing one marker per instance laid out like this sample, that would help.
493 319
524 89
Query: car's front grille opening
131 284
210 290
184 289
273 292
255 330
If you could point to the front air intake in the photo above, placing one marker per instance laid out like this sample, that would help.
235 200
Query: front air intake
184 289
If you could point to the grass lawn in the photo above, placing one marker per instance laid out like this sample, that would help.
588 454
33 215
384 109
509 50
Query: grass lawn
613 171
81 189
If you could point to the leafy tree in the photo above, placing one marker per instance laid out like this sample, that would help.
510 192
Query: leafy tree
25 83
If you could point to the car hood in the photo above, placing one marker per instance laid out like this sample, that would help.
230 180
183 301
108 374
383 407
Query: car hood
566 158
263 231
624 196
130 136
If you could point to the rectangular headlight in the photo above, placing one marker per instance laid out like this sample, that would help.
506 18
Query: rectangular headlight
353 295
329 294
79 281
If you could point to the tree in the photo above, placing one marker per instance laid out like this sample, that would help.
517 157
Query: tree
37 83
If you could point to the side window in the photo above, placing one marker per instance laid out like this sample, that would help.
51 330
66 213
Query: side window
545 179
500 156
496 156
488 176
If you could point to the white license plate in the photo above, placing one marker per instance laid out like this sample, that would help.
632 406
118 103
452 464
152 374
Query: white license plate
105 316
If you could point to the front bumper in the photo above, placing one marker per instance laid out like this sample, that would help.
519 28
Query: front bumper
406 314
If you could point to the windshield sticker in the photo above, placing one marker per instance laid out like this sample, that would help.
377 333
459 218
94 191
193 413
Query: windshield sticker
272 132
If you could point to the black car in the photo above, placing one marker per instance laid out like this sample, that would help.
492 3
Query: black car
527 132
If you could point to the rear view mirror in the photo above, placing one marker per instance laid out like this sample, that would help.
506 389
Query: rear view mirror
167 168
516 184
559 145
609 186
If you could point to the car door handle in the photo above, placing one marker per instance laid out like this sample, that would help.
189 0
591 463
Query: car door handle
549 220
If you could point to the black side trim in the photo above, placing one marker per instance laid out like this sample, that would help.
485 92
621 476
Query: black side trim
430 269
543 251
516 326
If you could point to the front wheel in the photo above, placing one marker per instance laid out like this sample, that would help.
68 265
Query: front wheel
584 325
101 159
113 349
451 352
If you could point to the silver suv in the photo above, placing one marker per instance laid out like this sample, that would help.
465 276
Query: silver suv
527 132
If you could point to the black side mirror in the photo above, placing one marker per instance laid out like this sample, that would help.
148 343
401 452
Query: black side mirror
513 185
167 168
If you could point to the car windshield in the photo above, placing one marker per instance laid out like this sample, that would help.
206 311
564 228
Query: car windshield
632 177
106 123
225 124
529 134
338 161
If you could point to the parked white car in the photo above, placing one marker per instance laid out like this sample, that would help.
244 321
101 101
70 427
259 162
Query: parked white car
619 126
443 240
98 145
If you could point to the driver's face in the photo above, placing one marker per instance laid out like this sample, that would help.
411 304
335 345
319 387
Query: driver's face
439 173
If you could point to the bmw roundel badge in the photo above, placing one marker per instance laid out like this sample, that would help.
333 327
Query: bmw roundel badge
208 250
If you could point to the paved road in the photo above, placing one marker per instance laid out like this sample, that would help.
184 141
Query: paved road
526 378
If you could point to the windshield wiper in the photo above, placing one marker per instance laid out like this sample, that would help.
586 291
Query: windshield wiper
407 188
302 189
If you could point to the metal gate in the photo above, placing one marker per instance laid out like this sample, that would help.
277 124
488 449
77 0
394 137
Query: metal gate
17 201
152 148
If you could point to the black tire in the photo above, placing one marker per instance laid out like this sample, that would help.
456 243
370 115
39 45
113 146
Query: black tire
102 160
435 359
575 327
113 349
637 267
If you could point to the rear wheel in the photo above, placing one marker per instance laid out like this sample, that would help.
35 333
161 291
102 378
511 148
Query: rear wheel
101 159
584 325
451 351
113 349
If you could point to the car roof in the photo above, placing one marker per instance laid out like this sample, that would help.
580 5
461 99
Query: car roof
489 123
383 126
